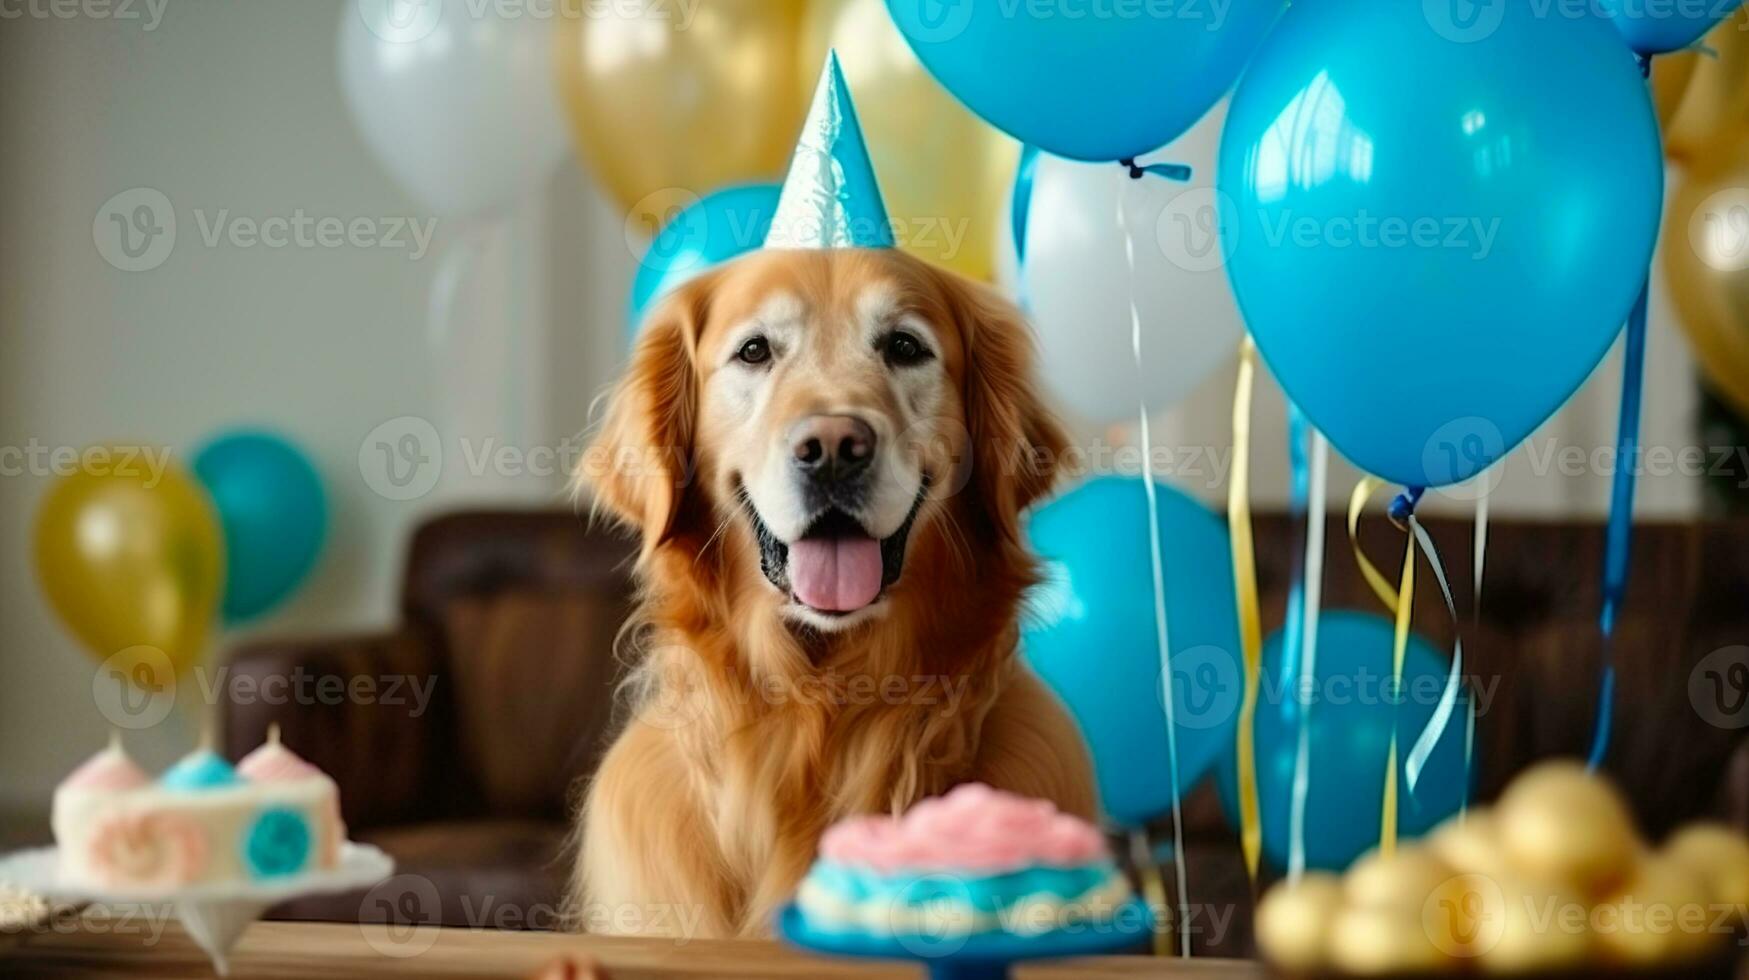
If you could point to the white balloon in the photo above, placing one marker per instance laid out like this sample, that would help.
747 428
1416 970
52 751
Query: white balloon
456 98
1076 282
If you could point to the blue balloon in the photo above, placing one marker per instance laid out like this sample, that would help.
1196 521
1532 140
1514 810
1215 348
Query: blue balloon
720 226
1083 79
1353 711
1090 634
1659 26
1436 227
273 513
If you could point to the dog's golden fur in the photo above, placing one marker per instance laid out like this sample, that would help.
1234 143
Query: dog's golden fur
748 734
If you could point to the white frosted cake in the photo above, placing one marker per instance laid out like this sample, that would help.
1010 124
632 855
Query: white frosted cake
203 822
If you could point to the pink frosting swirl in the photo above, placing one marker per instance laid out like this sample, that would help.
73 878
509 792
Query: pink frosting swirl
108 771
272 763
973 828
154 850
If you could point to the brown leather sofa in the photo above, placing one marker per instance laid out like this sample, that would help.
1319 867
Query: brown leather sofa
508 621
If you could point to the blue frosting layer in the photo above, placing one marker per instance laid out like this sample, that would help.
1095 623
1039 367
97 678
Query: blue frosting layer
201 769
982 893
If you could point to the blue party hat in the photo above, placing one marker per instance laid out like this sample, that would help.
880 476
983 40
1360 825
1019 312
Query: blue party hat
831 198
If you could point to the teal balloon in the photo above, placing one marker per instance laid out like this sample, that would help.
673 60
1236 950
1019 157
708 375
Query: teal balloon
1098 86
1660 26
1436 226
1353 710
716 228
273 513
1089 633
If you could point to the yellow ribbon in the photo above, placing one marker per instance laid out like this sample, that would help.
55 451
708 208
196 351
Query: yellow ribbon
1250 620
1400 601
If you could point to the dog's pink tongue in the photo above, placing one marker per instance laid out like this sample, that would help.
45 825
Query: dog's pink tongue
836 574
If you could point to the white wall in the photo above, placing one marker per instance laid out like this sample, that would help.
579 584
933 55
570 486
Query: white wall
233 104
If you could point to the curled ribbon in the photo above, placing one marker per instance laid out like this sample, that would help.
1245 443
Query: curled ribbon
1250 621
1399 601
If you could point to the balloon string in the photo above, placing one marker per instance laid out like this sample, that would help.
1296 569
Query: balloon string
1153 882
1619 540
1437 725
1308 627
1299 487
1481 562
1162 632
1400 601
1250 621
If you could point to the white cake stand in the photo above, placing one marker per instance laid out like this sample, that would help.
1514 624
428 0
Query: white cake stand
213 915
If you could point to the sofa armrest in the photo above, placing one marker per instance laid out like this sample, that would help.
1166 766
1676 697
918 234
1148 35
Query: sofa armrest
368 710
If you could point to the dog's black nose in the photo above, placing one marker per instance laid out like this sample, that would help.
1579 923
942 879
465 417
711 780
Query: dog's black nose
832 448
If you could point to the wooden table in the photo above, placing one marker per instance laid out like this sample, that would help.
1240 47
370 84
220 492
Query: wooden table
337 952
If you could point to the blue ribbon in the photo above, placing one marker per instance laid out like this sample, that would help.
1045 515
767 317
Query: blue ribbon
1618 544
1299 486
1021 210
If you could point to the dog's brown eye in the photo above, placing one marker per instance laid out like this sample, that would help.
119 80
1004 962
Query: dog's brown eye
903 349
757 350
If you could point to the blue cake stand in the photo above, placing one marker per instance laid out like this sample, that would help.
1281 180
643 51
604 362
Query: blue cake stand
981 957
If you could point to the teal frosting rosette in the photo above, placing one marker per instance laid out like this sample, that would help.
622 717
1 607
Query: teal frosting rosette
278 843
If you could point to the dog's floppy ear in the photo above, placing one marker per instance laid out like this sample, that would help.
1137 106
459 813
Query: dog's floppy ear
1016 441
640 462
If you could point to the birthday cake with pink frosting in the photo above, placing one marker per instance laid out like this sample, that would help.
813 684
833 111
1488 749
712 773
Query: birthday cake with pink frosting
271 817
972 862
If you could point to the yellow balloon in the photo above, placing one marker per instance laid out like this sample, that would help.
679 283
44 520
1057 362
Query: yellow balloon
1706 263
133 561
945 173
1671 75
670 101
1715 105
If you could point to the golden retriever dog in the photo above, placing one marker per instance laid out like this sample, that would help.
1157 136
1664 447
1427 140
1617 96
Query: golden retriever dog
827 455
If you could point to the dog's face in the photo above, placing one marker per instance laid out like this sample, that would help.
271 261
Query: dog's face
834 408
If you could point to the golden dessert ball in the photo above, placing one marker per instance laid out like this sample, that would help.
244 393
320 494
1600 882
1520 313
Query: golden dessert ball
1471 844
1659 917
1379 942
1294 921
1527 927
1719 855
1400 883
1560 822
